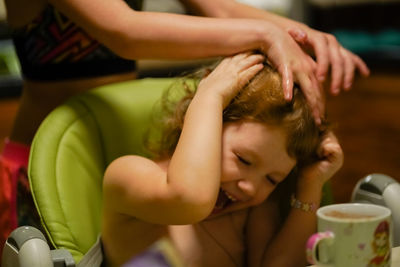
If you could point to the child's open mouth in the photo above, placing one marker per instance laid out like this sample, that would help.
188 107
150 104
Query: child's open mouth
224 200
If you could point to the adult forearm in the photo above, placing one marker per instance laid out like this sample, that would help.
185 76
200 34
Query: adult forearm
234 9
143 35
171 36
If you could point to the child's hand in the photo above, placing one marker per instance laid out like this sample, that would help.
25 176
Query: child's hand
231 75
331 160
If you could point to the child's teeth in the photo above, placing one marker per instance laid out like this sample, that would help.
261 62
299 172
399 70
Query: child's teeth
230 197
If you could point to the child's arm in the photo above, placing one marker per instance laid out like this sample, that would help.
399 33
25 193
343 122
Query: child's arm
186 190
287 245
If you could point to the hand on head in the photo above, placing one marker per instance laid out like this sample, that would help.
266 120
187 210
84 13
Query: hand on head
330 56
330 160
293 59
295 65
232 74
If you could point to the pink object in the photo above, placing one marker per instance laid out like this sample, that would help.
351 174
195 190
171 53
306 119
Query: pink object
312 244
13 164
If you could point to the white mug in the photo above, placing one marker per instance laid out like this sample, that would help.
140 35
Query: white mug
352 235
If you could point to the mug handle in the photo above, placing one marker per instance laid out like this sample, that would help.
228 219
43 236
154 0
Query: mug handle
312 245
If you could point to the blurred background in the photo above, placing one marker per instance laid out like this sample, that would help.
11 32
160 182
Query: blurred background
367 118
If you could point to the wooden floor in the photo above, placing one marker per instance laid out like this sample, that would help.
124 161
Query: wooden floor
368 126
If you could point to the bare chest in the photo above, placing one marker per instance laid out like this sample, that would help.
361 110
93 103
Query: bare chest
214 242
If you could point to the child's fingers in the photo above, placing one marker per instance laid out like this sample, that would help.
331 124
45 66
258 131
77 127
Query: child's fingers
246 60
249 73
331 150
237 58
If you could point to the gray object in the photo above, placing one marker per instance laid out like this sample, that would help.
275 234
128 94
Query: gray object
27 247
381 190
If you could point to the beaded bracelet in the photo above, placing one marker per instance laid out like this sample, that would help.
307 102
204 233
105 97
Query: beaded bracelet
297 204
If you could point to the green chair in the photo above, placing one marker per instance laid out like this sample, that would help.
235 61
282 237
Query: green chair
71 151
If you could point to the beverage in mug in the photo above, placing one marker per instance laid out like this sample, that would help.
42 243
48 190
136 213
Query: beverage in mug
352 235
344 215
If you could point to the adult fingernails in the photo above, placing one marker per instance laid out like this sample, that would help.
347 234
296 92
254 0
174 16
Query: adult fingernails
287 95
335 91
321 78
301 34
287 91
348 85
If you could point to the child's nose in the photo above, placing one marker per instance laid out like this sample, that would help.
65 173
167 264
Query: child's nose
248 187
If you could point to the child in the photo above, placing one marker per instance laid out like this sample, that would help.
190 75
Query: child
209 193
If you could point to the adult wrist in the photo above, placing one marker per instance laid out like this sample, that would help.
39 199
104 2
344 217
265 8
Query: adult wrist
266 34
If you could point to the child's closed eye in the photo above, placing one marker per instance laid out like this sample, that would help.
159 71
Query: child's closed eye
271 180
243 160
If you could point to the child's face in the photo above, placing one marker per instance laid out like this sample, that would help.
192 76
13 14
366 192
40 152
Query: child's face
254 161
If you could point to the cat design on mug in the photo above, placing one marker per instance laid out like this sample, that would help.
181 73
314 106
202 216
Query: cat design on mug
381 246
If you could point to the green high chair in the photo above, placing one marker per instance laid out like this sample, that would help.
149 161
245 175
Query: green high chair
69 155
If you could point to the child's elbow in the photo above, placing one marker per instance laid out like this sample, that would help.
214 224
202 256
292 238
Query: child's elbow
192 216
202 211
193 209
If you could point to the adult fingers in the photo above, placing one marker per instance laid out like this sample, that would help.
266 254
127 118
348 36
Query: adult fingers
351 63
298 35
336 64
287 81
313 65
319 95
349 68
312 95
321 51
361 66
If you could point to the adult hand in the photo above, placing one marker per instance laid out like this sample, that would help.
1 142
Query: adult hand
295 66
330 56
